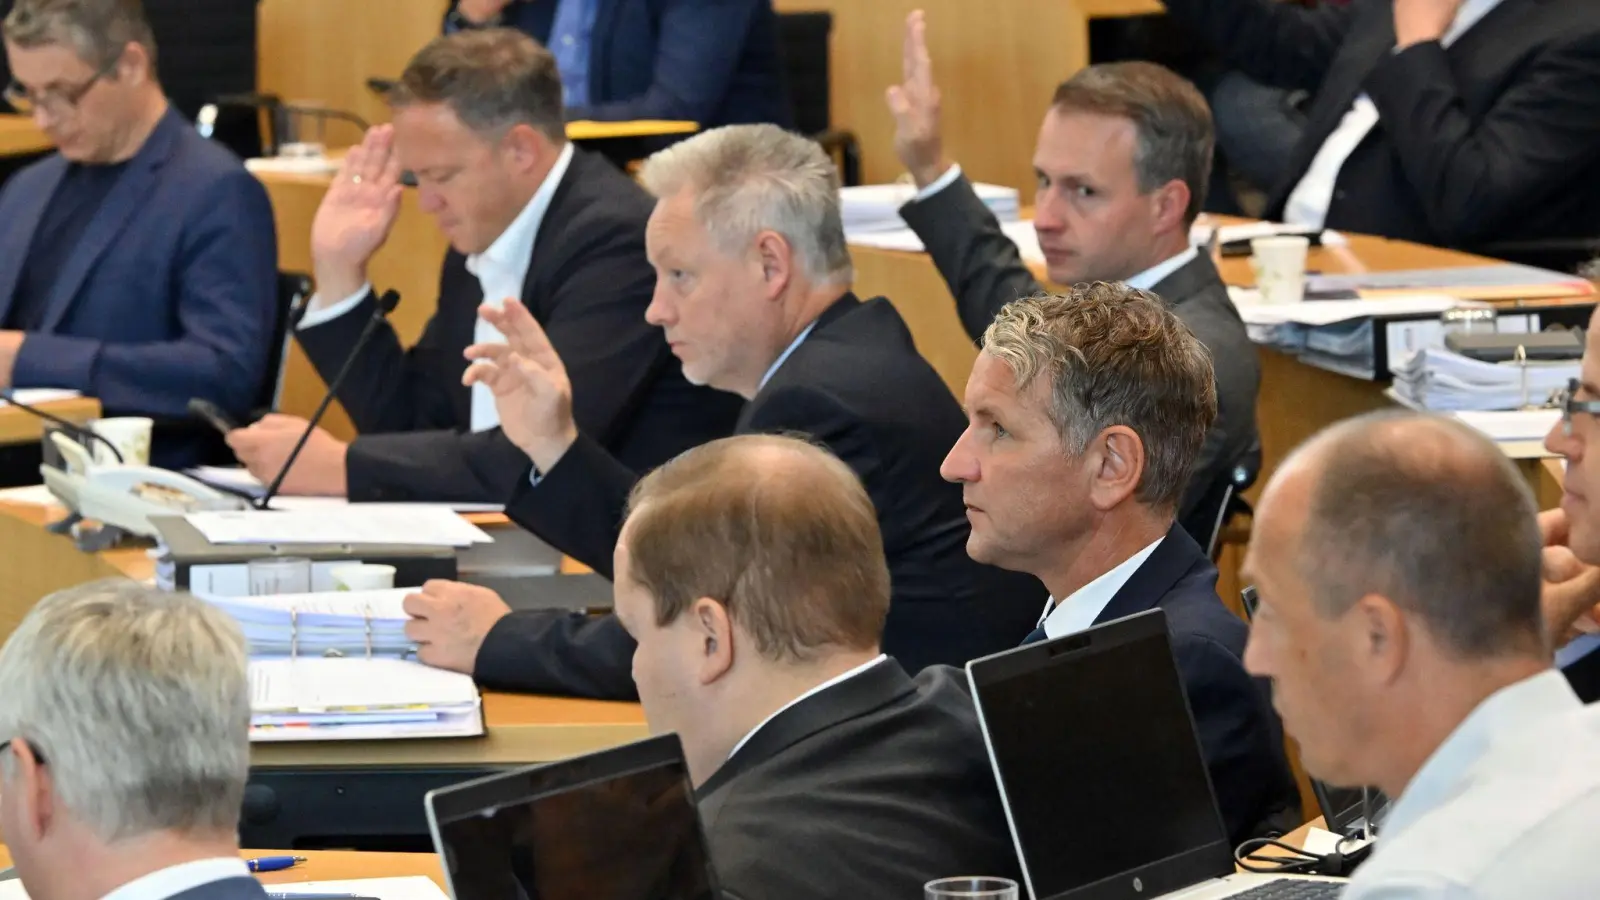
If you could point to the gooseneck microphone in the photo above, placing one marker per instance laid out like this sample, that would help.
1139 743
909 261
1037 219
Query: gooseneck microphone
81 433
386 304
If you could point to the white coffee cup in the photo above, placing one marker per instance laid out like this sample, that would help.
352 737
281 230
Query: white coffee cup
129 434
362 577
1280 266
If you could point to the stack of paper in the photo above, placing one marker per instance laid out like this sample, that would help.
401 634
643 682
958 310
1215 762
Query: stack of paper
1512 425
373 523
337 622
1438 379
876 207
1495 282
238 480
344 699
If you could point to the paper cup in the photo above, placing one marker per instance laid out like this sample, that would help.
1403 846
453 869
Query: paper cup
1280 267
362 577
130 435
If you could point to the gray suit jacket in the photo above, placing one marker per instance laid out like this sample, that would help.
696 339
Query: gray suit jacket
226 889
985 272
871 788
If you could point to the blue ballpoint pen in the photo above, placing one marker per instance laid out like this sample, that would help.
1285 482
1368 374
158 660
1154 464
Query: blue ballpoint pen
273 863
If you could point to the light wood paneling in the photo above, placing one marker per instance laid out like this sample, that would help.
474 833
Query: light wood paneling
18 136
20 427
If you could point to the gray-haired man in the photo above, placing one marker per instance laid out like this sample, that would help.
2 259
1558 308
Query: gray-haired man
126 715
753 293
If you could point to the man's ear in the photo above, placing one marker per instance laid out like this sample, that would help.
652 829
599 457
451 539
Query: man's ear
776 258
1117 461
714 631
1382 638
29 786
526 146
1172 205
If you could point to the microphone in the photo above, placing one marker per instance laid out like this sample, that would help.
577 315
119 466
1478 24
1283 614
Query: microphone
386 304
73 428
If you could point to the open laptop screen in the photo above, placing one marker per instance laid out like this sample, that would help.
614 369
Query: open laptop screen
1097 757
620 824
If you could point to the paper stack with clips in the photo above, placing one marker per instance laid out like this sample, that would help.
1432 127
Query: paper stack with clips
1438 379
337 666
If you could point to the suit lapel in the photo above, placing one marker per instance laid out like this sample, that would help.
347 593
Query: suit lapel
127 197
1175 557
1190 279
17 239
832 314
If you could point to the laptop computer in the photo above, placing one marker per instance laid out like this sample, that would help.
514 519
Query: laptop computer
620 824
1101 774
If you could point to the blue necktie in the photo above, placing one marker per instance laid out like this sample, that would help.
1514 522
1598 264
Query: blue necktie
1035 636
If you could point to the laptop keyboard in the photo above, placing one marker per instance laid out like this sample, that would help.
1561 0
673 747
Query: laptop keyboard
1291 889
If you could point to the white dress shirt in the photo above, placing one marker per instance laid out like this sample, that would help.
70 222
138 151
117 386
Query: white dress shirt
784 356
1079 611
174 880
500 270
1504 809
1309 201
837 679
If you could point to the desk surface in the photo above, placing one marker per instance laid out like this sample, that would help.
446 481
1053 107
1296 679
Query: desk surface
18 135
335 865
21 427
520 729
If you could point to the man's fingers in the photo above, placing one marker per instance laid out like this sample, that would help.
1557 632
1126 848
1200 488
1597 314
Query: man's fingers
491 352
523 332
377 156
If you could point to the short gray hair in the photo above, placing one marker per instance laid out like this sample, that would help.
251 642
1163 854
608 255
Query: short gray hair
138 700
1115 355
1432 515
492 78
97 30
1170 117
753 178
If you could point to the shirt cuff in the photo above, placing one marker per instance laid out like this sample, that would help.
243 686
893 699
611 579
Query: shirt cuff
317 314
943 181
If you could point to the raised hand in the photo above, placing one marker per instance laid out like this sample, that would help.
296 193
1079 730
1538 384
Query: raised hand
479 12
531 390
1416 21
356 215
915 105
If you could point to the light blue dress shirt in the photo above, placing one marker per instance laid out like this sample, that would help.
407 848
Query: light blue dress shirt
784 356
570 39
1504 809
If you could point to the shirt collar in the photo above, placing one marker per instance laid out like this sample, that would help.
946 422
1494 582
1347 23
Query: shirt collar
174 880
1506 715
512 251
1153 276
837 679
1079 611
782 357
1470 13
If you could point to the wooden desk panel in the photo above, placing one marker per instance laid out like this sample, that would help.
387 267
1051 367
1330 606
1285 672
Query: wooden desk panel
19 136
20 427
335 865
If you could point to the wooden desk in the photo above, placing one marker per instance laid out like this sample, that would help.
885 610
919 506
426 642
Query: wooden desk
19 136
997 64
19 427
335 865
520 729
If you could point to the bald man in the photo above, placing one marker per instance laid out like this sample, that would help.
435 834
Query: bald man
1397 666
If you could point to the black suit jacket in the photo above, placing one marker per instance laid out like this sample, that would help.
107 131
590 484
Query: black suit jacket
1495 138
1240 734
588 284
985 272
242 888
871 788
858 386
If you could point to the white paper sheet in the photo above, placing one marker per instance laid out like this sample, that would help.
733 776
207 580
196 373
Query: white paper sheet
1021 233
240 479
320 684
1512 425
36 396
368 523
416 887
1327 312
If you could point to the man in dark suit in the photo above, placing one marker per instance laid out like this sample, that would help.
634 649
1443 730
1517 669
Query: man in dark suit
140 798
715 62
137 262
1449 122
478 119
754 295
1105 394
751 572
1123 159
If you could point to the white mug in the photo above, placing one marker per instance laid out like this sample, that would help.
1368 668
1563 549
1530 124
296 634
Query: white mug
362 577
129 434
1280 266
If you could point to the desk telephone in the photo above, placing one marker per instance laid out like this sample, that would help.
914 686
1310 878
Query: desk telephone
125 497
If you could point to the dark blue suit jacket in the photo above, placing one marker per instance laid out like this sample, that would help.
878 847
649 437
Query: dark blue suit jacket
1240 734
170 293
715 62
226 889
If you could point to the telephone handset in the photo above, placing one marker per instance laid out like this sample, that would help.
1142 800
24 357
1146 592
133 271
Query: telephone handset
127 496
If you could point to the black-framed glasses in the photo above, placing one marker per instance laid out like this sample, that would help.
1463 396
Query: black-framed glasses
1567 401
58 102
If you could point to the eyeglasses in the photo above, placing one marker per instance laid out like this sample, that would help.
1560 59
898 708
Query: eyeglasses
58 102
1567 402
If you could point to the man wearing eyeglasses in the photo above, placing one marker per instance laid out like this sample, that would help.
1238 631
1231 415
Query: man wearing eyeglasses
138 263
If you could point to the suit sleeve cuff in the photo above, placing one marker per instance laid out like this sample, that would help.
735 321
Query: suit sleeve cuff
56 360
939 184
318 314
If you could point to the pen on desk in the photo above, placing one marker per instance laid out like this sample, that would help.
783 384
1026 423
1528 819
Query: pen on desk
273 863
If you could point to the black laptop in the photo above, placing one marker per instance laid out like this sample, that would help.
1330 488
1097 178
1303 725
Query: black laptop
1100 770
620 824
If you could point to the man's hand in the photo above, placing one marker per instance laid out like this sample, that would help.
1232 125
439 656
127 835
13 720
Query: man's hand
264 447
480 11
10 346
449 621
1571 592
530 385
1416 21
356 215
915 105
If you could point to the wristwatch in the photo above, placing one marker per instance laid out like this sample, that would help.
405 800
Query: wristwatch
455 21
